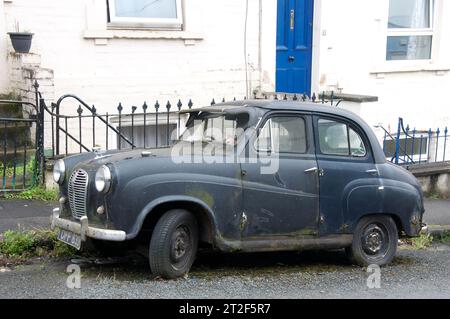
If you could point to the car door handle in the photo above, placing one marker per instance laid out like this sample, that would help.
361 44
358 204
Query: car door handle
372 172
311 170
315 170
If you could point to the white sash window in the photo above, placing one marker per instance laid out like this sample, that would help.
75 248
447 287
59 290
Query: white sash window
410 30
164 14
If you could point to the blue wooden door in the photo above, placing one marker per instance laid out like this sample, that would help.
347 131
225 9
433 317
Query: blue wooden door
294 46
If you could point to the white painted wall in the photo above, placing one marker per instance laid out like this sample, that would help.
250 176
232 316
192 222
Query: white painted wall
352 54
135 67
4 74
206 60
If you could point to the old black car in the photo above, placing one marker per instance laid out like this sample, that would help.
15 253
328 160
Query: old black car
244 177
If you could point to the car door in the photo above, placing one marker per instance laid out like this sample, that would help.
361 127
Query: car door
345 163
280 188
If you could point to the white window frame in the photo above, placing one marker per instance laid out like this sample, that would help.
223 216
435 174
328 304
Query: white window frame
393 32
155 23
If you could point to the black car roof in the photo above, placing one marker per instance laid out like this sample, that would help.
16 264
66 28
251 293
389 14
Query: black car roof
282 105
276 105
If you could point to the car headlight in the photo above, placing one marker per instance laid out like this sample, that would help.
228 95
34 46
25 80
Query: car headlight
103 179
59 170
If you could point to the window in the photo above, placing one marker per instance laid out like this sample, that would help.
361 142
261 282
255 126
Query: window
409 148
283 135
410 30
146 13
337 138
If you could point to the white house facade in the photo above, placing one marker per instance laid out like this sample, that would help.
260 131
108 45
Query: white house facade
131 51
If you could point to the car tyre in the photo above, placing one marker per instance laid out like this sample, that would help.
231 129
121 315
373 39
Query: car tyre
173 246
375 241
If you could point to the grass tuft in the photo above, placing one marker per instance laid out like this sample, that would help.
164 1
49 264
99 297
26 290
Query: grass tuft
35 193
20 245
422 242
445 238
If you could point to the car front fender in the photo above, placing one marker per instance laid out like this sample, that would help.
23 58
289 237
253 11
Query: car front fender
167 200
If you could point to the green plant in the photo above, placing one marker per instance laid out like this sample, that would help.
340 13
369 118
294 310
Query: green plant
445 238
422 242
19 244
29 168
36 193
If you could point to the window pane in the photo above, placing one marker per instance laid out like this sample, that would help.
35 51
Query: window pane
283 135
333 138
409 47
357 147
263 142
146 8
289 134
409 14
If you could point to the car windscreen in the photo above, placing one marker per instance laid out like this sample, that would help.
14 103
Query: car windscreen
215 127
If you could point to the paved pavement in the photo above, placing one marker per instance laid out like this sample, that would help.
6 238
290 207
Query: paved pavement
437 212
22 214
413 274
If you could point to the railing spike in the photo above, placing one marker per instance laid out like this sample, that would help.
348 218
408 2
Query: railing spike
145 106
190 104
133 109
120 107
168 106
179 105
157 105
79 110
213 102
94 110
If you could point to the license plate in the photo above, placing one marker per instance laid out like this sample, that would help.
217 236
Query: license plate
70 238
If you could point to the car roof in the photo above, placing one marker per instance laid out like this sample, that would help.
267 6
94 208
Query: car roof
282 105
279 105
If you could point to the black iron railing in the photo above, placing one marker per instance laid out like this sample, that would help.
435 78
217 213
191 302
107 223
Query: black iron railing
156 121
22 152
414 146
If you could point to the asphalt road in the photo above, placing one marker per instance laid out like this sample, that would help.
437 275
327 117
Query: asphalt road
414 274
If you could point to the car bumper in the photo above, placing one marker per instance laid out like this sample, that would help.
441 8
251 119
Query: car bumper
83 229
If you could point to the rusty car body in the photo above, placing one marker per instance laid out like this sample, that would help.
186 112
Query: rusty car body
333 189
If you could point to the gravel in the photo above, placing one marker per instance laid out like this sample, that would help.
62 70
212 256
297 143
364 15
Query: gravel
414 274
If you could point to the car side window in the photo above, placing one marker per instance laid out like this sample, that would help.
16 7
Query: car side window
357 147
337 138
283 134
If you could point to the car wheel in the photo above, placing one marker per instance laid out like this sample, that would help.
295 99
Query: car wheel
375 241
173 246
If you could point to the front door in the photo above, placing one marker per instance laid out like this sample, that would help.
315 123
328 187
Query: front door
280 196
294 46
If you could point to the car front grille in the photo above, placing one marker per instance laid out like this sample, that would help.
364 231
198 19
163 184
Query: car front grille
78 187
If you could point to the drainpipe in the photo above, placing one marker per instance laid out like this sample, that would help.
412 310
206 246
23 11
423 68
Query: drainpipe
260 45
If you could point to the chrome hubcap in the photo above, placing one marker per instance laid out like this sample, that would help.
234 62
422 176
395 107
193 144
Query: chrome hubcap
374 240
180 244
